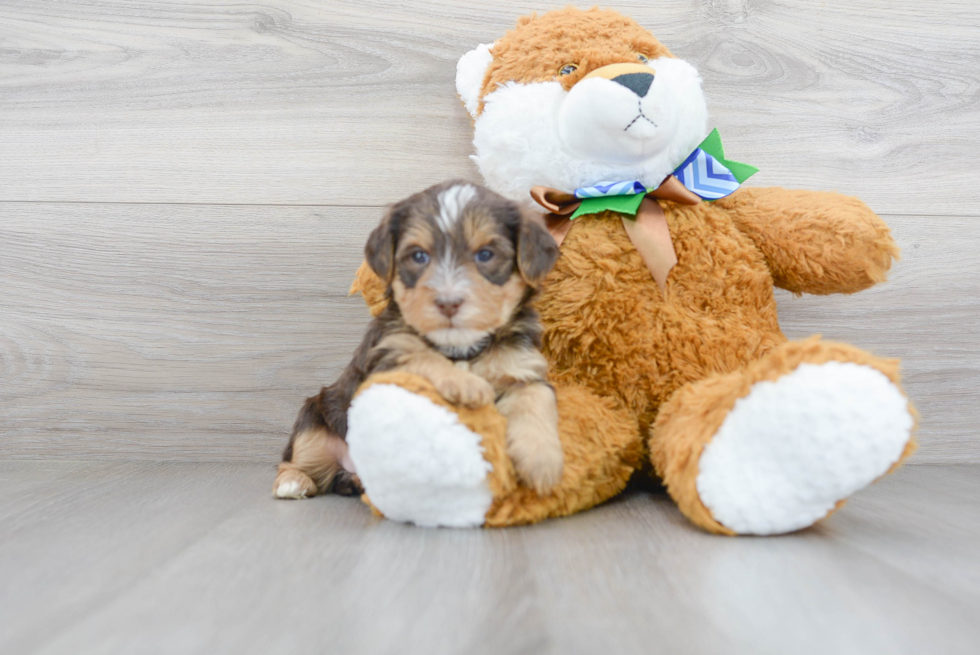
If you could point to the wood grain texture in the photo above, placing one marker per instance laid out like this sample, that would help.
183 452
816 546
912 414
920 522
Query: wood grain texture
354 104
928 315
194 332
170 557
171 332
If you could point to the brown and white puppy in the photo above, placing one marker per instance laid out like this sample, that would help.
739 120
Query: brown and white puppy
461 264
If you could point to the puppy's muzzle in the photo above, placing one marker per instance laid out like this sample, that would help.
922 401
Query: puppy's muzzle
448 306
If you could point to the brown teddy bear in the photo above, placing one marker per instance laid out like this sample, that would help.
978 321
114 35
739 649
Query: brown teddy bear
660 321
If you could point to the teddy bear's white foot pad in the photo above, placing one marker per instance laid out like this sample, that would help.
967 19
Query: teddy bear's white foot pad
791 449
417 462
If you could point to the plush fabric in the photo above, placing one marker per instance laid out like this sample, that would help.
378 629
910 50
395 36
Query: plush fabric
645 376
539 45
530 124
598 437
422 462
693 416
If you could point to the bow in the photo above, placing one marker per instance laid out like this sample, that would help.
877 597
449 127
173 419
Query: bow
704 174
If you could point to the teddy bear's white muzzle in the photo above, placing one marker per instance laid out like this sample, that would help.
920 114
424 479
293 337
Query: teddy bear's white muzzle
617 121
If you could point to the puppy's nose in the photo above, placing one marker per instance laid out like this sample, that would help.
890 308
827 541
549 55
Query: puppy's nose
448 307
638 83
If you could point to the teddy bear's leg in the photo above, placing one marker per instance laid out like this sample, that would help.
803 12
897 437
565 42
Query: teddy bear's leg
602 447
424 461
420 460
780 444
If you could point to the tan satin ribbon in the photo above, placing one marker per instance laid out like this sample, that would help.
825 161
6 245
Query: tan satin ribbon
648 230
651 238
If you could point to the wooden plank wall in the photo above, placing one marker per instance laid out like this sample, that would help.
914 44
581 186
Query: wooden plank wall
185 188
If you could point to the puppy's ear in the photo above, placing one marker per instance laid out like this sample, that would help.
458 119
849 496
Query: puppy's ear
380 249
537 251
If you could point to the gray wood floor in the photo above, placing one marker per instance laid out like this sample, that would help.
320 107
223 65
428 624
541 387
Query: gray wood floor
154 557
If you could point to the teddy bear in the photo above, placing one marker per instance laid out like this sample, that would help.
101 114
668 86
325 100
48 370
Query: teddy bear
660 322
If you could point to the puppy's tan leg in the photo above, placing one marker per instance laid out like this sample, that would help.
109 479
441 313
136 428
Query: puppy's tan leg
456 385
462 387
532 434
314 462
412 355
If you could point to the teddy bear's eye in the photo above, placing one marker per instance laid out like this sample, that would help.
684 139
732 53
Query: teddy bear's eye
567 69
643 59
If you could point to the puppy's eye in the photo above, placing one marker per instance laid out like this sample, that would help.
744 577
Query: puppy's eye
420 257
567 69
484 255
643 59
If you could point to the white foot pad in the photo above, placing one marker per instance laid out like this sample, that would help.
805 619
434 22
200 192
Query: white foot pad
417 462
791 449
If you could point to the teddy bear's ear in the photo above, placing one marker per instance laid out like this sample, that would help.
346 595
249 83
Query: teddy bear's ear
470 70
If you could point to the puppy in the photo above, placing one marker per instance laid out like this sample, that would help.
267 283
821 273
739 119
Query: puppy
461 265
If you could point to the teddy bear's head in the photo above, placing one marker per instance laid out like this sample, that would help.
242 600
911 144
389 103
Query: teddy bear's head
572 98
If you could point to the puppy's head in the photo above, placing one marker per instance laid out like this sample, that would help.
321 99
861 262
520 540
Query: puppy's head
459 260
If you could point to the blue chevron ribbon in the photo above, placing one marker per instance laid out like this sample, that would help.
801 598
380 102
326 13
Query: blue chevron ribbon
706 176
705 172
606 189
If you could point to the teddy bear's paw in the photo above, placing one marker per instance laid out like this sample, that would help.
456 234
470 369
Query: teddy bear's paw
791 449
417 462
293 484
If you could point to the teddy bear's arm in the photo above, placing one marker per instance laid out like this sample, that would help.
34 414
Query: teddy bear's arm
371 287
814 242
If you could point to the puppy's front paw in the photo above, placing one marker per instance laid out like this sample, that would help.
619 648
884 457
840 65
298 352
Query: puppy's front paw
466 389
539 459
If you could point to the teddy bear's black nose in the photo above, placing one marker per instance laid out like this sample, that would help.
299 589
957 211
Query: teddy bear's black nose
638 83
